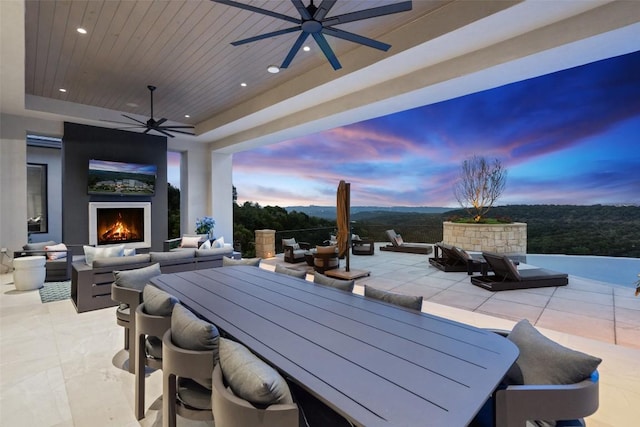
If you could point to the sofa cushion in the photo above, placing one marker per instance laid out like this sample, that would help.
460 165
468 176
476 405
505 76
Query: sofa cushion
343 285
409 301
250 378
213 252
300 274
121 261
255 262
136 278
158 302
544 361
91 253
38 246
171 256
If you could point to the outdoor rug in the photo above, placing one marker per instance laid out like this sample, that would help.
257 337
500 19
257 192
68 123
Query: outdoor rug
55 291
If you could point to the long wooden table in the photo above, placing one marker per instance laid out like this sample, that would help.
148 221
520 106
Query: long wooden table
374 363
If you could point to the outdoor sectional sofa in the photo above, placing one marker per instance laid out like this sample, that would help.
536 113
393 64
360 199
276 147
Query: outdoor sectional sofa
91 284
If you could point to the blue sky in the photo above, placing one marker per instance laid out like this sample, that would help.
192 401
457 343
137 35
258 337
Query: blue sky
571 137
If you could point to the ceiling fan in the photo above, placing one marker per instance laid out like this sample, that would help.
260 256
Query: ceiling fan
313 21
156 125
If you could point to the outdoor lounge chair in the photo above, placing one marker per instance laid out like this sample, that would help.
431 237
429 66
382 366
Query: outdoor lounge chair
398 245
455 259
507 277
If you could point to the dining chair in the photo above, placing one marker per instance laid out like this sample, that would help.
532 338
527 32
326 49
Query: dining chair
409 301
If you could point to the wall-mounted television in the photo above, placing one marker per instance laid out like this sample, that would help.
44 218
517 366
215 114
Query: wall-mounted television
121 179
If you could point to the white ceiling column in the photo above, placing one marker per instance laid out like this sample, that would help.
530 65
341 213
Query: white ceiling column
222 195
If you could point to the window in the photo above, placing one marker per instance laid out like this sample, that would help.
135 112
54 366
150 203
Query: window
37 218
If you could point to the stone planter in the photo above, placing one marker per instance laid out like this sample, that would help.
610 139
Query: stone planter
497 238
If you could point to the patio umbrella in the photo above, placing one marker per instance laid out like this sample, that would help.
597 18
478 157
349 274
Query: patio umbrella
342 219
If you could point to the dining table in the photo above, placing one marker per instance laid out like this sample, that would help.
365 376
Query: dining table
374 363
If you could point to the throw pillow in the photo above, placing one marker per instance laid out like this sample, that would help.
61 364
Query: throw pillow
343 285
192 333
408 301
544 361
300 274
56 255
206 245
158 302
129 251
250 378
254 262
136 278
218 243
289 242
91 253
190 242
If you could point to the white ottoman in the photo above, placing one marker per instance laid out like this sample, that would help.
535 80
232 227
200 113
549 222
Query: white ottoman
29 272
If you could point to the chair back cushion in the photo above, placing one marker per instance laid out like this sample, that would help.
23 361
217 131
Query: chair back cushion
408 301
38 246
192 333
158 302
544 361
254 262
250 378
343 285
502 266
300 274
136 278
391 235
326 249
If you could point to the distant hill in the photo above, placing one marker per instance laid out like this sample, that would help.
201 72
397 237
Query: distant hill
329 212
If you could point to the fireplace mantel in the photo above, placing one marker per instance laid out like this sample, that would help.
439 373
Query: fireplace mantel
94 207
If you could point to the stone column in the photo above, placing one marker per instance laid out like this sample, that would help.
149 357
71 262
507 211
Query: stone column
265 243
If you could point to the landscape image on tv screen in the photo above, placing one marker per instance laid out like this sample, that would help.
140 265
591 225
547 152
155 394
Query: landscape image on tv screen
116 178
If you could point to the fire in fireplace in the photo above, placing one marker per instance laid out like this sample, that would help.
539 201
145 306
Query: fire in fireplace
120 225
127 223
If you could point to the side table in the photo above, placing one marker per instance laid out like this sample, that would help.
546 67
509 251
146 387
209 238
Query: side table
29 272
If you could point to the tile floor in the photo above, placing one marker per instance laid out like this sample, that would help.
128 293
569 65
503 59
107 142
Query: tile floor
58 367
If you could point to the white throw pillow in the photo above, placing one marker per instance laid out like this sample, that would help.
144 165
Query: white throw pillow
56 255
190 241
205 245
129 251
218 243
91 253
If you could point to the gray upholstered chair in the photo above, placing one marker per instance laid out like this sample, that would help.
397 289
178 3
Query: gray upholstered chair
294 251
547 382
343 285
408 301
189 353
300 274
230 410
152 320
127 291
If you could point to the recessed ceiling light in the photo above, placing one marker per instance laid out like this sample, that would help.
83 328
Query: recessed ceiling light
243 84
63 90
186 116
273 69
306 48
81 30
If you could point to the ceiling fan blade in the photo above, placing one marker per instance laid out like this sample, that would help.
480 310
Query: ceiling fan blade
323 9
326 49
368 13
259 10
345 35
161 131
135 120
302 10
159 122
294 50
266 35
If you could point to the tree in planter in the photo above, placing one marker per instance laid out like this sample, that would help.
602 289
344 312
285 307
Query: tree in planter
481 184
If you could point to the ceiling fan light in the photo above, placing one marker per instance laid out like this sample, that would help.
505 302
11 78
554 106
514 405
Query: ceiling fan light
273 69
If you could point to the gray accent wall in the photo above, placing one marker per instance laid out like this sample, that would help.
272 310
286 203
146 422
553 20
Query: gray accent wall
82 143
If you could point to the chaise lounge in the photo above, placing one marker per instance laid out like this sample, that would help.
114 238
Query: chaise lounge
398 245
455 259
507 277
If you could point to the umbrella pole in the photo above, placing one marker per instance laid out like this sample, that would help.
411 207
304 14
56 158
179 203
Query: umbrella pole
348 200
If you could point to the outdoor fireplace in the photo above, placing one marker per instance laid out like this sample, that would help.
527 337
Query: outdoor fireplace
112 223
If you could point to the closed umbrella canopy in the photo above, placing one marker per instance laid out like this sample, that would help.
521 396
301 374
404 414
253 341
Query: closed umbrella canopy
342 218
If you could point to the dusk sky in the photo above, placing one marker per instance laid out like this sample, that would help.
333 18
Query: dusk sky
571 137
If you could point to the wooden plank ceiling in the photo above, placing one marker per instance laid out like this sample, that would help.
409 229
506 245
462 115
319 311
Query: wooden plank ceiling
182 47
